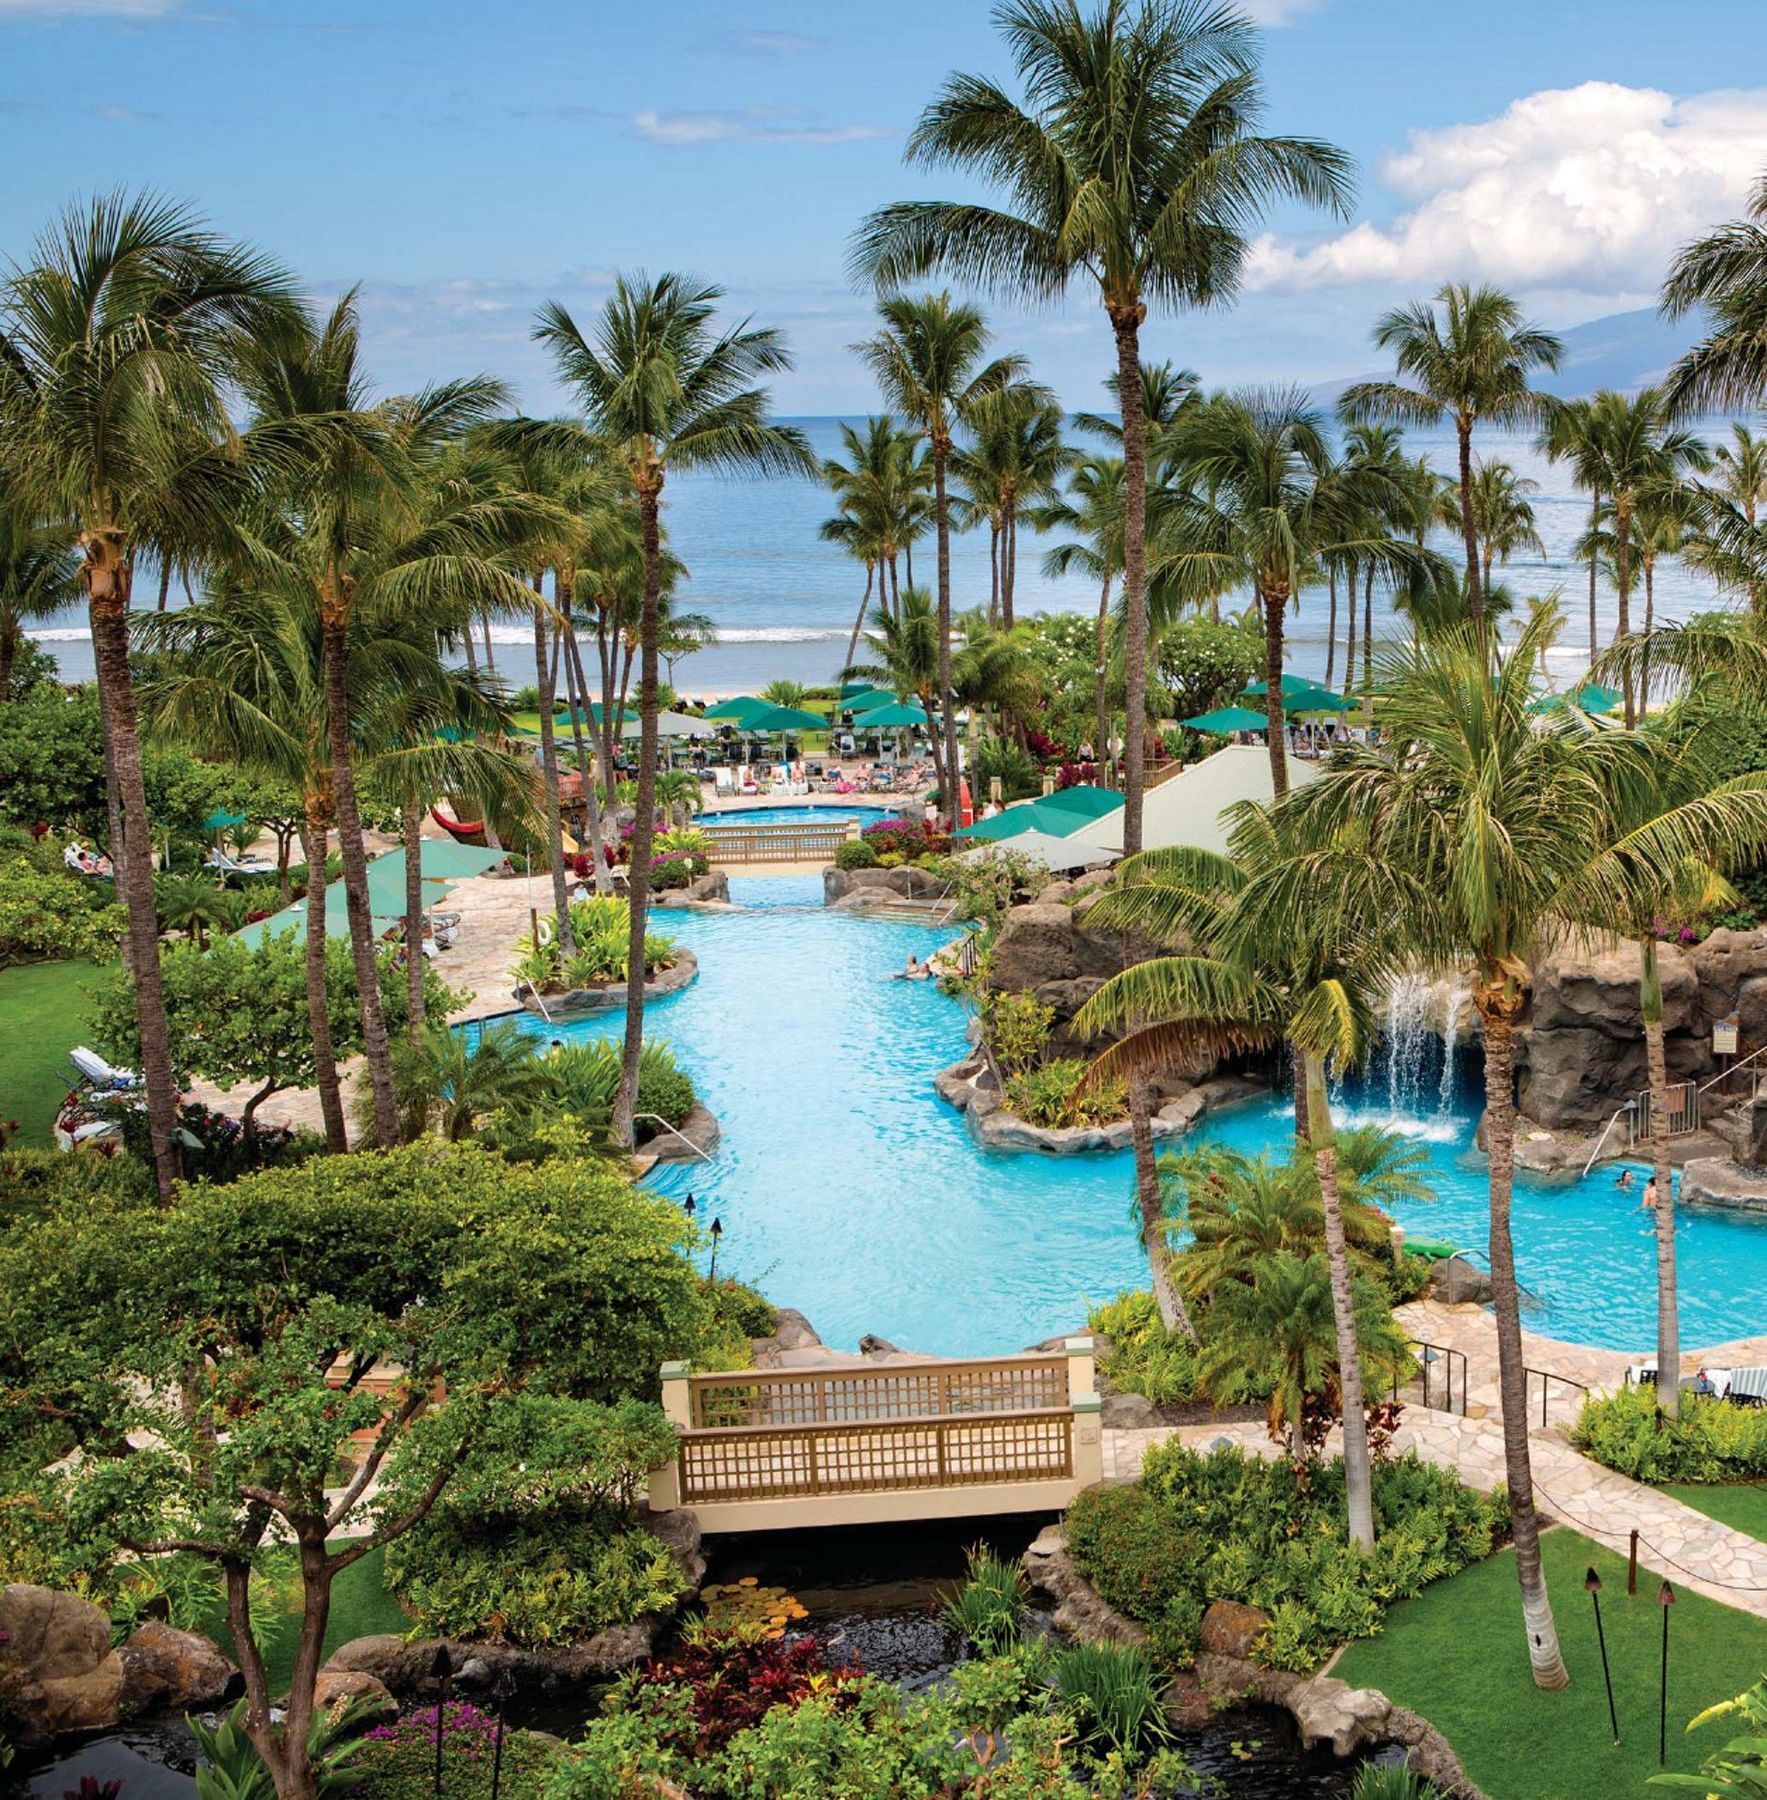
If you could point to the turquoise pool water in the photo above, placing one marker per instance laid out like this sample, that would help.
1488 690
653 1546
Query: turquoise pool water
834 813
848 1190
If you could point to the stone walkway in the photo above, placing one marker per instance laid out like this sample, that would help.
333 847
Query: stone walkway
1676 1542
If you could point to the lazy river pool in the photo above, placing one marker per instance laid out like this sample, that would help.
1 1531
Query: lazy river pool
847 1189
833 812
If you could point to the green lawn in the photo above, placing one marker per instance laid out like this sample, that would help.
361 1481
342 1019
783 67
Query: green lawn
1457 1656
45 1007
360 1606
1742 1506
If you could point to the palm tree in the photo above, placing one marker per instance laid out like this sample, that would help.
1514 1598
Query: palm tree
1092 508
1573 431
1503 516
1723 276
1290 943
1132 162
905 655
1468 366
1011 463
113 344
663 389
1369 446
1498 831
451 1085
39 574
1741 468
1257 500
885 495
928 362
361 525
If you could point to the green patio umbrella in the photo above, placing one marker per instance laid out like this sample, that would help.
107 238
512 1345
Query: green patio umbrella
1311 699
1025 815
220 820
738 711
337 920
1591 697
1225 720
868 699
893 717
785 718
1083 800
454 862
1256 690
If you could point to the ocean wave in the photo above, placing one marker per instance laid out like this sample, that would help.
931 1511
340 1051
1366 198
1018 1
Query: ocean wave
733 634
59 634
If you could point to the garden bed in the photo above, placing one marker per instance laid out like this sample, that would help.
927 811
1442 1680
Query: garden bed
573 1003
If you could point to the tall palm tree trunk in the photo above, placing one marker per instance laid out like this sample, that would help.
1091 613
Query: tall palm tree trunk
1126 325
1543 1651
107 587
1331 629
1275 601
1594 527
490 654
1368 636
552 807
644 827
947 711
1008 563
331 1099
1650 609
1475 593
1623 595
1101 696
585 762
411 823
376 1046
993 574
1358 1483
1350 633
859 623
1650 993
472 655
1173 1313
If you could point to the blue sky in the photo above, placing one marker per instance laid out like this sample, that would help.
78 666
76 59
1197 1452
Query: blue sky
464 161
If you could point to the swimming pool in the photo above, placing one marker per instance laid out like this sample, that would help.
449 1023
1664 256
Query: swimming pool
848 1190
834 812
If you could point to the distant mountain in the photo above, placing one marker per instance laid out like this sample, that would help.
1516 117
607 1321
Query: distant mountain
1623 350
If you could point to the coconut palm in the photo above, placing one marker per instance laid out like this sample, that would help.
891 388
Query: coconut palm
451 1083
905 657
1257 500
1132 161
191 904
1166 390
1499 831
361 524
1289 943
39 574
1011 463
1723 277
1092 508
1573 432
664 389
1740 468
114 338
1405 499
1503 516
885 495
1467 366
928 361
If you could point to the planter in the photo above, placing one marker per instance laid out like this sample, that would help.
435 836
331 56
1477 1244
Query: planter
574 1003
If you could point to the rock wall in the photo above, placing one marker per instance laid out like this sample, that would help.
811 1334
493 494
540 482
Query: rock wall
855 889
1581 1053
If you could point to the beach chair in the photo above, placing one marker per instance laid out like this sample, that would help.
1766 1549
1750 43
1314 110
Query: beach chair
722 782
1748 1387
220 863
98 1074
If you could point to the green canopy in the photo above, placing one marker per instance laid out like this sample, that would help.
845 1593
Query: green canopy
294 918
1310 699
739 710
1225 720
219 820
1083 800
1256 690
891 717
863 699
784 718
1590 698
1026 815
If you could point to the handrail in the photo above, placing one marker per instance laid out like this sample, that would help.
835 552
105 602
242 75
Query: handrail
1593 1154
703 1155
871 1372
1548 1375
539 998
1734 1069
1433 1353
870 1427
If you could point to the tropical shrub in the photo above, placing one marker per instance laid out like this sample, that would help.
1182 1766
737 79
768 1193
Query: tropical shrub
46 912
586 1075
1052 1096
1144 1357
1115 1694
1710 1441
985 886
905 839
1231 1527
855 855
674 869
1015 1027
989 1609
398 1761
1019 774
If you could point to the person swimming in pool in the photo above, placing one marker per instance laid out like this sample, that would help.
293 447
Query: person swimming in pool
1624 1184
914 970
1649 1202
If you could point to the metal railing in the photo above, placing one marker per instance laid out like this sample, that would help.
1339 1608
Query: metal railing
1683 1113
1751 1063
1437 1366
1546 1379
1619 1112
657 1119
539 998
968 958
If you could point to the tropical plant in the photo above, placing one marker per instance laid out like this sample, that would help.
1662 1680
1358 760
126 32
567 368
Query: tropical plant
114 338
1011 463
1132 162
989 1608
1117 1695
664 389
1503 516
1741 471
904 652
190 904
39 574
451 1081
884 492
1092 508
1722 276
1465 366
927 358
1740 1767
232 1769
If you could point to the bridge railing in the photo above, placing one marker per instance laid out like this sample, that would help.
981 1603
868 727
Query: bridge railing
781 842
765 1449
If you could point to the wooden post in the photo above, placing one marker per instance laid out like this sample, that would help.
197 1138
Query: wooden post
1081 1379
665 1482
1088 1441
1632 1566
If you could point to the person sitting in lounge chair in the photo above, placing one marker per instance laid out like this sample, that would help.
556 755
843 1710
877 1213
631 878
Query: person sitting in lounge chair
83 862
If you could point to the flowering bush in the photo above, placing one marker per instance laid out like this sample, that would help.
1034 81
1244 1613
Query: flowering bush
398 1761
905 838
676 869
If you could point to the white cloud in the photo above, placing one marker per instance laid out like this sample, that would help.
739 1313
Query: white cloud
1590 188
773 43
115 9
1276 12
748 125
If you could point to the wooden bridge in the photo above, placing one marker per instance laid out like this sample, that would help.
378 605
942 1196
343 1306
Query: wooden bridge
766 1450
785 840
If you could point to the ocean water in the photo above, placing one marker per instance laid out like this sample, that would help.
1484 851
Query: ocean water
785 603
847 1189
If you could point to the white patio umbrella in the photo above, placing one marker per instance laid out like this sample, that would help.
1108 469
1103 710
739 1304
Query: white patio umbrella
1056 854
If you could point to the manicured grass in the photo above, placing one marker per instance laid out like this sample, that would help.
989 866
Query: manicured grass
360 1606
45 1007
1457 1655
1742 1506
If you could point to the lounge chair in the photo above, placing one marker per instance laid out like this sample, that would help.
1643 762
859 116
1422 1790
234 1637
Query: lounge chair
83 862
98 1074
1748 1387
222 864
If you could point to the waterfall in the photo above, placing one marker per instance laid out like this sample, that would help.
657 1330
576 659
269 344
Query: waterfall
1456 1004
1406 1043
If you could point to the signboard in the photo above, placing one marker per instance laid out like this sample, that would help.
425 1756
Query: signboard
1724 1036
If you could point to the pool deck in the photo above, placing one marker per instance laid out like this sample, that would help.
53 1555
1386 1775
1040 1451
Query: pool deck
1676 1542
